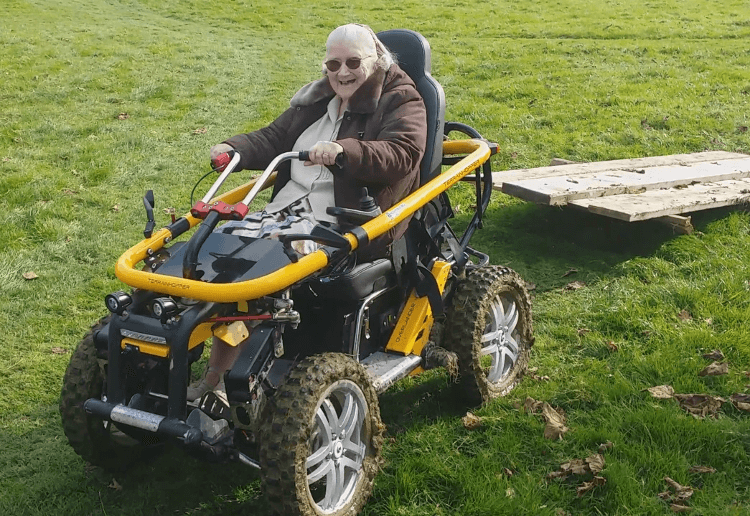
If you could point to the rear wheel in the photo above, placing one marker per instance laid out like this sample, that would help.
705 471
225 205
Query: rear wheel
489 328
321 444
97 441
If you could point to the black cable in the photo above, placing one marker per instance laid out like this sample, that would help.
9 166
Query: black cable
199 182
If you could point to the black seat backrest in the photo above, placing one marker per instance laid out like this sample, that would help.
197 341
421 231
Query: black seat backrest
414 57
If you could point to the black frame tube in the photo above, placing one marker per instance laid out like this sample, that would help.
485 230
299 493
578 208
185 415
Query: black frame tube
483 183
190 261
177 335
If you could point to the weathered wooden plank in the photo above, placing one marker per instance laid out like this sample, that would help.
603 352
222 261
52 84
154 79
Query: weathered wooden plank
679 223
658 203
563 189
498 178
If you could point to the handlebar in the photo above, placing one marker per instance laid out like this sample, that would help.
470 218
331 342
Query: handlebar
234 160
281 158
214 213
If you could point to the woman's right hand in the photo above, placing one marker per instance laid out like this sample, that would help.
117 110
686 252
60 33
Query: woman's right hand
219 148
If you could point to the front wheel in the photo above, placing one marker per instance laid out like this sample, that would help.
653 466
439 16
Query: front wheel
97 441
489 328
321 444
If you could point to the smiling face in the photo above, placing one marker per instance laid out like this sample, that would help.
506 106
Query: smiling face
347 42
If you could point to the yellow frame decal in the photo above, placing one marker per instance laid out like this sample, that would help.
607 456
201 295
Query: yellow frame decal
313 262
415 322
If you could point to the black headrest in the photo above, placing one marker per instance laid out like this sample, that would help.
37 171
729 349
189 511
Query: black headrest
413 53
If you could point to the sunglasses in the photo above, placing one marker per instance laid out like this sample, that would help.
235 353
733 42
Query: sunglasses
352 64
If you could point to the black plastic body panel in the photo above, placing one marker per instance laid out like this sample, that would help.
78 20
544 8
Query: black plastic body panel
226 258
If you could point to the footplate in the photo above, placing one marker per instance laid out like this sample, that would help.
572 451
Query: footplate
385 369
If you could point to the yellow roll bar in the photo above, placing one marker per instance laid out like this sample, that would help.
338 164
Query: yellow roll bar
478 152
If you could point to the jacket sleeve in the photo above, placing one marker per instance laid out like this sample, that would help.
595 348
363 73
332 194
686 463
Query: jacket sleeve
258 148
398 147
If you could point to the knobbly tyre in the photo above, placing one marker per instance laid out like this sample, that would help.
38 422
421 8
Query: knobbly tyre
330 335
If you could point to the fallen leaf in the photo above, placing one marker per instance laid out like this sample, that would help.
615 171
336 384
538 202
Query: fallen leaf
555 428
606 446
685 316
662 392
595 463
116 208
561 512
58 351
123 116
583 331
681 493
531 373
588 486
680 508
31 275
575 285
115 485
471 422
201 130
612 346
69 191
702 469
708 321
570 271
510 492
741 401
6 159
531 405
700 405
715 369
507 472
714 355
169 211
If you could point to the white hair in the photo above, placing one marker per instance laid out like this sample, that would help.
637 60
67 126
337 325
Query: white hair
354 31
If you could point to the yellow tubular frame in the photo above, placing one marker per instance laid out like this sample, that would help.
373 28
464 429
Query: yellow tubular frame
478 152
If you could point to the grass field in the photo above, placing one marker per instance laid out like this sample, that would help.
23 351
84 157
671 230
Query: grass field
103 99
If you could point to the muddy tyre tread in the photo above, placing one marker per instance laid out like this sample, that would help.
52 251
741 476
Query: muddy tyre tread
286 431
466 320
84 379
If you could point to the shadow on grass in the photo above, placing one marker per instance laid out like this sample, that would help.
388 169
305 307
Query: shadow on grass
42 475
552 246
416 401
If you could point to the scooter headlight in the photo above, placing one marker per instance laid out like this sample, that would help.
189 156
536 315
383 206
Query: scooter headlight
117 302
164 308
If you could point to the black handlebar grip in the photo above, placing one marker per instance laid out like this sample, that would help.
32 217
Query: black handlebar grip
304 155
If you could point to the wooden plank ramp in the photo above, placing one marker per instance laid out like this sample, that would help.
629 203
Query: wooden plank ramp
659 203
557 191
661 187
576 169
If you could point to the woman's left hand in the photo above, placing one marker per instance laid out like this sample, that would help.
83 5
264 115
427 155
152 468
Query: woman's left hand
324 153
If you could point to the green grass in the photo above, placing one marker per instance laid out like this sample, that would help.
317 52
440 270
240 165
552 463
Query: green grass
575 79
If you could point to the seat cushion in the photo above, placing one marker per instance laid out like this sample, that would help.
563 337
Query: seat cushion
358 283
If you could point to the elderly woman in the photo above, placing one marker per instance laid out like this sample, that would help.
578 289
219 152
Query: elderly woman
364 124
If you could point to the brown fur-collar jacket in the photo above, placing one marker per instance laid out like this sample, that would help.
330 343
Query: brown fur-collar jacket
383 134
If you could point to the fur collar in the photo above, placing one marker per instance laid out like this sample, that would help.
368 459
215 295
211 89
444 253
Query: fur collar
365 99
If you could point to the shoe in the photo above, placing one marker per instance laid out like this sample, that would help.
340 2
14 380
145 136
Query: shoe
199 387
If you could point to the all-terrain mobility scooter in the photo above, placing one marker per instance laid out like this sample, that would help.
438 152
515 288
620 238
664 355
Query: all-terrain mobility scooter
329 334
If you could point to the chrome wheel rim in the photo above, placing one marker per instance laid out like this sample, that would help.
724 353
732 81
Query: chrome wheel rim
500 348
337 446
